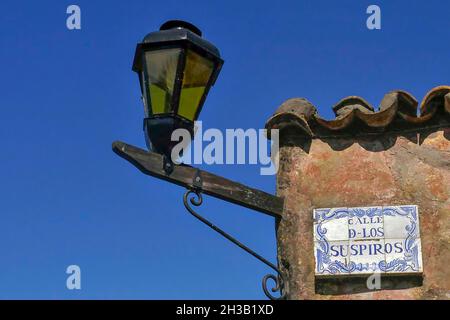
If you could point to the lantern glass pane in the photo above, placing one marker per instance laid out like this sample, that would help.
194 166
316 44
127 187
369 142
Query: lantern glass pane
159 79
197 72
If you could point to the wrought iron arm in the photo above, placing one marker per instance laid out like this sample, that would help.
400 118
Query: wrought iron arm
196 199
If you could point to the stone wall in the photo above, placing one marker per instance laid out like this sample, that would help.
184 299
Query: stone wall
402 159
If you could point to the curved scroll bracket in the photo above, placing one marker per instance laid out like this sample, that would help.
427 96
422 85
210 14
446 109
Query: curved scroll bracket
194 197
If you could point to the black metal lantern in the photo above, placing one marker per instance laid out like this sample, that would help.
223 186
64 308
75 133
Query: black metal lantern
176 69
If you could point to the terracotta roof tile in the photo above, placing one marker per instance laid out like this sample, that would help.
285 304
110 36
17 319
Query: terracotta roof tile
397 111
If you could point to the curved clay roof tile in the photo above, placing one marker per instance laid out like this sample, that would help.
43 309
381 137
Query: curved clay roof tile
397 107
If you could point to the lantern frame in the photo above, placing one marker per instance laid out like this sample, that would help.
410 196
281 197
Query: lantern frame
174 34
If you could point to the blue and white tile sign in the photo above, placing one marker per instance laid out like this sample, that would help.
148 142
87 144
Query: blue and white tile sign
366 240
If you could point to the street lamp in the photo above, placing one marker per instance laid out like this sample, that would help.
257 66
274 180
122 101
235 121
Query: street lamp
176 69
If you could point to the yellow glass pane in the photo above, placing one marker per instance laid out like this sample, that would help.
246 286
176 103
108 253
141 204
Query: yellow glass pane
160 99
197 72
189 101
159 78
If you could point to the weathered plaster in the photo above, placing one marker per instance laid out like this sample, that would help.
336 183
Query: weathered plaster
378 170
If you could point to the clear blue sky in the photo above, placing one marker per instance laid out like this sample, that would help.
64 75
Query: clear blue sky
66 198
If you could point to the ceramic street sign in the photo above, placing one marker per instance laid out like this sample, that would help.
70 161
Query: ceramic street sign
367 240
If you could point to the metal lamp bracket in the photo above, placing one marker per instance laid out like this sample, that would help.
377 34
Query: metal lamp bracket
200 182
167 165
